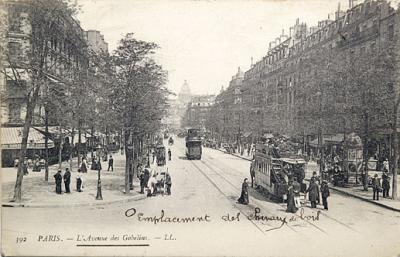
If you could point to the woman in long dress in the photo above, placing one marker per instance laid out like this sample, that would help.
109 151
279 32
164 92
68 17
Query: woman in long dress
244 196
291 206
84 166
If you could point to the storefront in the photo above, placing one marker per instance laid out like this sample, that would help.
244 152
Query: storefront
11 138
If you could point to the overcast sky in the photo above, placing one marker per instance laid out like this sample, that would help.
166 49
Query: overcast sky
203 42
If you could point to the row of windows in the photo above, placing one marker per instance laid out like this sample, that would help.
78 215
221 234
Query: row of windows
263 167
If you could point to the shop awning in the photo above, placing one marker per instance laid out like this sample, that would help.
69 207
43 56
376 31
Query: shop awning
53 131
337 139
11 139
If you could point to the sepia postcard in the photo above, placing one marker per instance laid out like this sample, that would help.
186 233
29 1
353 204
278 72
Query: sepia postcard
200 128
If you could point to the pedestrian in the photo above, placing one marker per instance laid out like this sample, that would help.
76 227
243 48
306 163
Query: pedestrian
168 182
169 154
252 173
79 182
152 186
317 181
154 155
84 165
146 176
142 181
244 196
325 193
291 206
58 179
296 190
110 163
98 165
313 193
376 187
25 166
385 184
36 164
67 180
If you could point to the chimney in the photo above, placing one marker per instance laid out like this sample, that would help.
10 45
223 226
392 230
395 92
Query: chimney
297 21
252 57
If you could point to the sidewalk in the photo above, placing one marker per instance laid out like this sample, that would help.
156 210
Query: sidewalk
356 192
38 193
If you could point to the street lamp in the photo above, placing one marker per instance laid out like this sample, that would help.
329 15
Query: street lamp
99 196
320 135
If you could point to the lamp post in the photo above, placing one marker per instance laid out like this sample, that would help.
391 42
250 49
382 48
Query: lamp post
99 196
320 135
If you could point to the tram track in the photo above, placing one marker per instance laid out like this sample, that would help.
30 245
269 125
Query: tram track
323 214
224 194
236 190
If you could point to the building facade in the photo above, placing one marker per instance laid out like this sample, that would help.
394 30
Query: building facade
39 47
197 111
66 46
293 84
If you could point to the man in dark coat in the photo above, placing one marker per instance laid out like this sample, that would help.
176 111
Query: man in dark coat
376 186
146 177
168 182
252 173
25 166
58 179
291 207
169 154
325 193
99 165
110 163
313 193
142 184
385 184
244 197
67 180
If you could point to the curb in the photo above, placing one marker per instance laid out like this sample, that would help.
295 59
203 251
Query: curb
241 157
364 199
96 203
341 191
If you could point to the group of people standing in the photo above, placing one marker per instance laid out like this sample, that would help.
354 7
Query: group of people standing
377 187
314 192
67 180
152 184
293 192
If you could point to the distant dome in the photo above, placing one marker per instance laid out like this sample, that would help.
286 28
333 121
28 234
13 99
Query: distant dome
185 89
185 95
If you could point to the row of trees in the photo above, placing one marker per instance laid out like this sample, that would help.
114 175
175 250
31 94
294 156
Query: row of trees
339 90
96 91
353 92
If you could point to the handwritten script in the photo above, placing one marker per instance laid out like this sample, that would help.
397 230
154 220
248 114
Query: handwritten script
255 216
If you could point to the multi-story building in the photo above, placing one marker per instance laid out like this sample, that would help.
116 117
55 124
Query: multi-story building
198 110
24 35
285 86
